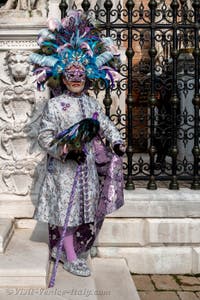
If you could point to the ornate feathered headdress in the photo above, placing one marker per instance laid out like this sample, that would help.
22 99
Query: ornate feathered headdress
74 40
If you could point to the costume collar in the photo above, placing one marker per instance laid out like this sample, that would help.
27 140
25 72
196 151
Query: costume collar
71 94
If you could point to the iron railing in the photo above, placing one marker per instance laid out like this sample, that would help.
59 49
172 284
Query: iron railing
160 121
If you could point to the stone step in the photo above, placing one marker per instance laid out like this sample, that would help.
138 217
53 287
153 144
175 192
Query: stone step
156 260
25 271
160 203
72 286
139 203
126 232
6 232
113 279
25 263
110 279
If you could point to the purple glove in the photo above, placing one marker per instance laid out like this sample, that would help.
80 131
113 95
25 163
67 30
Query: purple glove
119 149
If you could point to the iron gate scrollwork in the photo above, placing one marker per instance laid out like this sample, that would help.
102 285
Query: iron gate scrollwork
160 86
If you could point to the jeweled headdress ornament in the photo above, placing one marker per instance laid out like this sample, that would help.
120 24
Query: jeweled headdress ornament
75 41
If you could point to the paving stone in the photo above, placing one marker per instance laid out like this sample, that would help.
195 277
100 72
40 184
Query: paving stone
158 296
187 296
198 294
192 288
188 280
143 282
165 282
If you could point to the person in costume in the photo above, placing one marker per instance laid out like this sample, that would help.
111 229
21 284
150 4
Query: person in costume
71 58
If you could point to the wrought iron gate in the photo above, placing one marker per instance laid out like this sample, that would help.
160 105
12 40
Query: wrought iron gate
160 87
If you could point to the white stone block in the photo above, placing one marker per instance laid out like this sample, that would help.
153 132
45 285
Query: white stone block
26 260
152 260
185 230
166 194
54 11
25 223
16 206
143 203
23 281
139 203
113 275
104 283
6 232
121 231
196 260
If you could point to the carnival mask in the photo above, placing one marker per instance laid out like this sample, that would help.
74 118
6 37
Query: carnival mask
75 73
74 78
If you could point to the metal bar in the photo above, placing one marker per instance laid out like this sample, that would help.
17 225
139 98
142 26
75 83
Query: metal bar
85 5
148 26
129 99
196 100
63 8
107 101
152 99
174 99
160 178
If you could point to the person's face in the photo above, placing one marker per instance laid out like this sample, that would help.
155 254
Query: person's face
74 86
74 80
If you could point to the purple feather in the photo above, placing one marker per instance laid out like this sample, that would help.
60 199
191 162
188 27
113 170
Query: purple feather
111 77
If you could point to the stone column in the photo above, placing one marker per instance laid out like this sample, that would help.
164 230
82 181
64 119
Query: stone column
21 159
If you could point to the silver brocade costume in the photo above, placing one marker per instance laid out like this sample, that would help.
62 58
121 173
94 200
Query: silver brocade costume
60 113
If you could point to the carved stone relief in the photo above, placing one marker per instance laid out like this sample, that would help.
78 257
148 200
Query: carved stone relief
17 44
21 4
18 177
23 10
21 106
18 66
19 102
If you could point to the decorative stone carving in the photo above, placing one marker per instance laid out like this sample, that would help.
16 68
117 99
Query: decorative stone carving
21 107
22 4
18 142
18 97
18 66
18 177
23 12
18 102
18 44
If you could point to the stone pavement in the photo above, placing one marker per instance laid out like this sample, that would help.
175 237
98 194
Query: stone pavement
167 287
